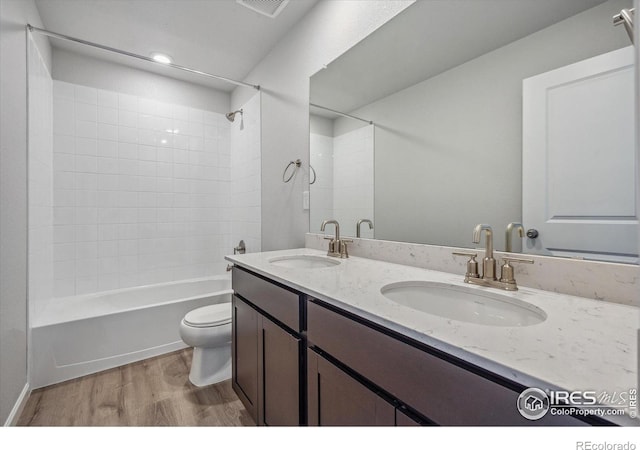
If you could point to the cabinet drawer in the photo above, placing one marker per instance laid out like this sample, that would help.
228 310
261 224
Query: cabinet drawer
280 303
438 389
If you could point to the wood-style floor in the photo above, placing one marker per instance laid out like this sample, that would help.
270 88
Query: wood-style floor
153 392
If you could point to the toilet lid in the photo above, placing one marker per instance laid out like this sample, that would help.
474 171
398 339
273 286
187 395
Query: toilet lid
209 316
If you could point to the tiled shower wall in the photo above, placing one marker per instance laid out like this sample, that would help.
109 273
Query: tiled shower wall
344 185
40 177
246 176
353 179
321 192
142 191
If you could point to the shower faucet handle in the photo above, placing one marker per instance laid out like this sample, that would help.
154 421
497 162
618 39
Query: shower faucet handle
240 249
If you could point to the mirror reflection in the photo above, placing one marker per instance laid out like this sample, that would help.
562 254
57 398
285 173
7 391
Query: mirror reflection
489 112
341 153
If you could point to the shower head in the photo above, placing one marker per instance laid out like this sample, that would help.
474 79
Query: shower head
231 116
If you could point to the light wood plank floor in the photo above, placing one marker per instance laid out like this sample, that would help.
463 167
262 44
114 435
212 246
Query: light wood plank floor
153 392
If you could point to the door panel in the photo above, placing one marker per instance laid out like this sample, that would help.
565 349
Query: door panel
280 386
245 354
579 159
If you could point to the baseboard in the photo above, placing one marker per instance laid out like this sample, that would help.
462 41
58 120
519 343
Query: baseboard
14 415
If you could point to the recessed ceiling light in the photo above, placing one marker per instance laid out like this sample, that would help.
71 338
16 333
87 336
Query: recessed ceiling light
161 58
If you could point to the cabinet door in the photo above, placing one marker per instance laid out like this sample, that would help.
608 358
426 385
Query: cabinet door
337 399
403 420
244 347
279 368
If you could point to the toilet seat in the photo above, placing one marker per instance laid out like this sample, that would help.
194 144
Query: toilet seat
209 316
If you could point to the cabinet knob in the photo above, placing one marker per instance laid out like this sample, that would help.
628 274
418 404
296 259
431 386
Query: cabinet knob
532 233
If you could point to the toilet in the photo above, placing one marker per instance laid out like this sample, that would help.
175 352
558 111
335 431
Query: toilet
208 331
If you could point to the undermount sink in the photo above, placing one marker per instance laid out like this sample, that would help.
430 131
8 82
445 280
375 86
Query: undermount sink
465 304
304 262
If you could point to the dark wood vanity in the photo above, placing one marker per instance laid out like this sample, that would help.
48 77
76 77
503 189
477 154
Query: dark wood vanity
302 361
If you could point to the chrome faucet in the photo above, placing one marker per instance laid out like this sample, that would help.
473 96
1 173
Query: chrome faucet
337 246
488 263
508 234
507 280
240 249
360 222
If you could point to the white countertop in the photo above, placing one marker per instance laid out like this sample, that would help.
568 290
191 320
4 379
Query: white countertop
583 344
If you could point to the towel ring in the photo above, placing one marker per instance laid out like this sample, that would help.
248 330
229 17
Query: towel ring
314 174
297 163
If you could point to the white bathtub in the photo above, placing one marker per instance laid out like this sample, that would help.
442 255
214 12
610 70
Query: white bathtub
79 335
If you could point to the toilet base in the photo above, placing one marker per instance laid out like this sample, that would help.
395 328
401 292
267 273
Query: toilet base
210 365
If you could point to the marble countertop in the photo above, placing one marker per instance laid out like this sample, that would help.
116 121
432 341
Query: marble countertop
583 344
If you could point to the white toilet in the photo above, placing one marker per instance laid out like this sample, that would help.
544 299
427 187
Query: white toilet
208 331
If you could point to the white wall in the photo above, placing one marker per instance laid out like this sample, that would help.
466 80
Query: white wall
40 110
636 4
353 155
327 31
14 15
321 158
245 177
141 190
446 164
344 168
88 71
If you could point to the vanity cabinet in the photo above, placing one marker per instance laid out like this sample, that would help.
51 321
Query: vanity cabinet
266 350
299 361
437 387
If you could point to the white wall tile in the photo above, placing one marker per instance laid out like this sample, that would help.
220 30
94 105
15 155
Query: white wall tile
86 112
107 98
63 117
63 90
107 132
128 134
108 115
84 94
86 129
127 118
86 146
127 102
140 196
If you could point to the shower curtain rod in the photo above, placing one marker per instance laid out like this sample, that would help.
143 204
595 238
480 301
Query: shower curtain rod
134 55
370 122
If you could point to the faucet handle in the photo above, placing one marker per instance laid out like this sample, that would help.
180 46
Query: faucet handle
344 253
472 264
333 250
518 259
470 254
506 273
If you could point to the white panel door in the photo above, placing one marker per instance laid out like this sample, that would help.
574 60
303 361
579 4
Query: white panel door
578 162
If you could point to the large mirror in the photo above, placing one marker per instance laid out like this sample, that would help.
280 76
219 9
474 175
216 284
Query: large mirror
483 111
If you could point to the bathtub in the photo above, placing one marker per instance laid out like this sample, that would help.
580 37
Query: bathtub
76 336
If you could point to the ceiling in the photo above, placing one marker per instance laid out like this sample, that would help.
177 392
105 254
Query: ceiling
216 36
428 38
